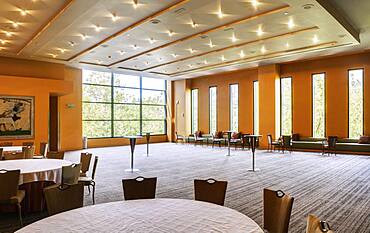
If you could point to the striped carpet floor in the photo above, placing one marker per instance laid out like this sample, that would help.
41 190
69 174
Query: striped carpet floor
335 188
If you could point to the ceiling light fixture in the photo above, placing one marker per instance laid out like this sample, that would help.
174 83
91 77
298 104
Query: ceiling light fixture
135 3
259 31
173 55
291 24
23 12
194 25
134 46
99 62
263 49
287 45
233 38
8 34
315 39
2 42
242 54
211 44
223 58
220 14
255 3
71 43
205 62
121 52
151 40
15 24
191 50
114 17
170 32
53 55
62 50
97 28
83 36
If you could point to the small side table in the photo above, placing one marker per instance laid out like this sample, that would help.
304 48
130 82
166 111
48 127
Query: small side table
147 137
228 141
132 145
253 143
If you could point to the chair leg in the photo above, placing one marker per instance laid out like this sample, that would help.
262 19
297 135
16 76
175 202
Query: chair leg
93 193
88 187
20 214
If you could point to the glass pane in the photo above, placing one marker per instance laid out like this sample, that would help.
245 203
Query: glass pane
124 80
154 112
286 106
154 97
194 110
318 105
126 128
95 77
154 127
255 108
356 104
212 109
97 129
154 83
96 93
126 95
93 111
234 107
126 112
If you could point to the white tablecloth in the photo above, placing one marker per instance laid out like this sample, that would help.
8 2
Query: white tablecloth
36 169
148 216
11 148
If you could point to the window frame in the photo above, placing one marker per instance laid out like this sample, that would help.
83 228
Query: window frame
254 107
281 104
230 118
363 100
191 110
209 103
312 103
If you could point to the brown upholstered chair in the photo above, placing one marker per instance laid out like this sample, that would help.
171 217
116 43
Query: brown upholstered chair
70 174
14 155
314 225
1 154
90 181
277 207
9 193
210 190
85 160
236 138
28 143
44 147
139 188
272 145
331 146
179 137
286 143
198 138
6 144
55 155
60 198
218 138
28 151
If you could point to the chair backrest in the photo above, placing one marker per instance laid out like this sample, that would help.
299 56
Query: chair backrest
55 155
1 153
139 188
28 143
85 160
44 147
14 155
94 167
332 142
277 207
9 183
314 225
63 198
70 174
287 140
210 190
29 152
6 144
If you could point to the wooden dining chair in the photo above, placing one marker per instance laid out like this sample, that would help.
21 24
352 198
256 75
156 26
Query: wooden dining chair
90 181
14 155
28 143
314 225
210 190
6 144
44 147
331 146
60 198
286 143
272 145
139 188
29 152
70 174
277 207
55 155
85 160
9 192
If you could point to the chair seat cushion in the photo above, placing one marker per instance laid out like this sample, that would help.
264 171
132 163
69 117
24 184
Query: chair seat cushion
15 199
84 179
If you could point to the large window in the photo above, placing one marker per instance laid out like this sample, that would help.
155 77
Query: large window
286 106
234 107
194 110
318 105
356 103
116 105
212 109
255 108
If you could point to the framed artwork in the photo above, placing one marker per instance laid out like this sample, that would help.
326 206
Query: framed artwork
16 117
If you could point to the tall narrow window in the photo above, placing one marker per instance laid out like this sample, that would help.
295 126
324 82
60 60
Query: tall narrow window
318 105
356 103
255 108
194 110
234 107
286 106
212 109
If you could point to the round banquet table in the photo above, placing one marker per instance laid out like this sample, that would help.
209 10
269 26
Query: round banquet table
150 215
35 175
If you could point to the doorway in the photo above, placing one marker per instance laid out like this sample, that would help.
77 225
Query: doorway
53 123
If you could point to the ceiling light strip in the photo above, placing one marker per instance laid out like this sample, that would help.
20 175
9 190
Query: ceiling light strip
47 25
252 59
132 26
249 18
236 46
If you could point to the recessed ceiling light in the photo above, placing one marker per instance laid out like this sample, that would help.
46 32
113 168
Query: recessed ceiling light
99 61
255 3
173 55
291 24
62 50
2 42
315 39
287 45
71 43
151 40
23 12
191 50
241 54
205 62
135 3
211 44
260 31
170 32
286 13
97 28
53 55
8 34
220 13
83 36
155 21
114 17
223 58
134 46
307 6
233 38
15 24
121 52
190 65
194 25
263 49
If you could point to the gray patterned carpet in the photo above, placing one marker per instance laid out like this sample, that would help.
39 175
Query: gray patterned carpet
335 188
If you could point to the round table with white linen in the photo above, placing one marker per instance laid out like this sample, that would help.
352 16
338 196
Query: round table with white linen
148 215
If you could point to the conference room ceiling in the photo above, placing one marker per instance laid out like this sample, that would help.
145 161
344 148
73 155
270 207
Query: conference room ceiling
174 39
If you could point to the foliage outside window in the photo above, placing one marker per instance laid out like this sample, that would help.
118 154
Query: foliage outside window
116 105
356 103
194 110
234 107
286 106
255 108
212 109
318 105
